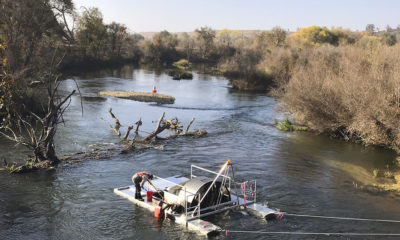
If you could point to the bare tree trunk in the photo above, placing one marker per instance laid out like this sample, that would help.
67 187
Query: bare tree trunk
117 123
190 124
138 124
127 133
157 130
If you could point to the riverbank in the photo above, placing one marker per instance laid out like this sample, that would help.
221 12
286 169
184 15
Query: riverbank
78 66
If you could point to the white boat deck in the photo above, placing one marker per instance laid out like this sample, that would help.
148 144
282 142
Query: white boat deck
198 225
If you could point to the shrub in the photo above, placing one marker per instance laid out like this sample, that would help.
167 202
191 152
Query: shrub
286 125
182 64
388 174
351 88
178 74
314 36
375 172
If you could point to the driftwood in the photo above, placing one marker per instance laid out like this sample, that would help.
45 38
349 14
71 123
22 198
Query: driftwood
117 123
138 124
127 133
149 140
131 145
156 131
190 124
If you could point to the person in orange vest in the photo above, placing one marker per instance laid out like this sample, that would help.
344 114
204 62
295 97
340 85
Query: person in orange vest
139 180
154 89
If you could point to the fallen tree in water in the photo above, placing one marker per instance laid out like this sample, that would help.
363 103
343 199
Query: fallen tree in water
151 139
136 143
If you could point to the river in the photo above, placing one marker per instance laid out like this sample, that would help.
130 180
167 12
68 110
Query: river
296 172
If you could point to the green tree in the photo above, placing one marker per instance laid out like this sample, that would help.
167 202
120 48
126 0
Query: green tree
118 35
91 34
162 48
205 38
227 41
344 36
370 28
30 27
277 36
267 39
389 38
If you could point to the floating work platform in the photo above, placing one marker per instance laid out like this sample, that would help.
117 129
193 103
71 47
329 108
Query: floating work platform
199 196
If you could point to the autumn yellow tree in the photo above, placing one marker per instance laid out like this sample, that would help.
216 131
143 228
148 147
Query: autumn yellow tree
314 36
228 38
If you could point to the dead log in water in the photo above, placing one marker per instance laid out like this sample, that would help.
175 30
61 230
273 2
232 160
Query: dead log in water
162 125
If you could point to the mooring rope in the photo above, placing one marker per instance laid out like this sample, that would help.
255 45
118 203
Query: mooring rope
280 216
313 233
340 218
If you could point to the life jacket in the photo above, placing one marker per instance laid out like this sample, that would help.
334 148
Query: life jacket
139 175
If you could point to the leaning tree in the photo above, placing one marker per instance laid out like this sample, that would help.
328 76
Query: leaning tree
31 105
35 131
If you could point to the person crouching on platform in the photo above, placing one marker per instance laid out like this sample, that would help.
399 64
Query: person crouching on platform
139 180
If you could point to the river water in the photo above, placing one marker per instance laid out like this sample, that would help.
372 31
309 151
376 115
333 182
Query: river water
296 172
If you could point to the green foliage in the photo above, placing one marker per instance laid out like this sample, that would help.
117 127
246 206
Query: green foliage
286 125
29 163
344 36
92 33
31 29
370 46
205 38
388 174
97 41
11 168
274 38
370 28
375 172
182 64
388 39
217 71
178 74
162 49
117 36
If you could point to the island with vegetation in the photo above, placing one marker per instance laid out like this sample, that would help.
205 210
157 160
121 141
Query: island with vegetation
141 96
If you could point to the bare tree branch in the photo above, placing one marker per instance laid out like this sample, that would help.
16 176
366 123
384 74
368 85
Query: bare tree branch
190 124
138 124
117 123
127 133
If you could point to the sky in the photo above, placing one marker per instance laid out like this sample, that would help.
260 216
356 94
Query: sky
187 15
